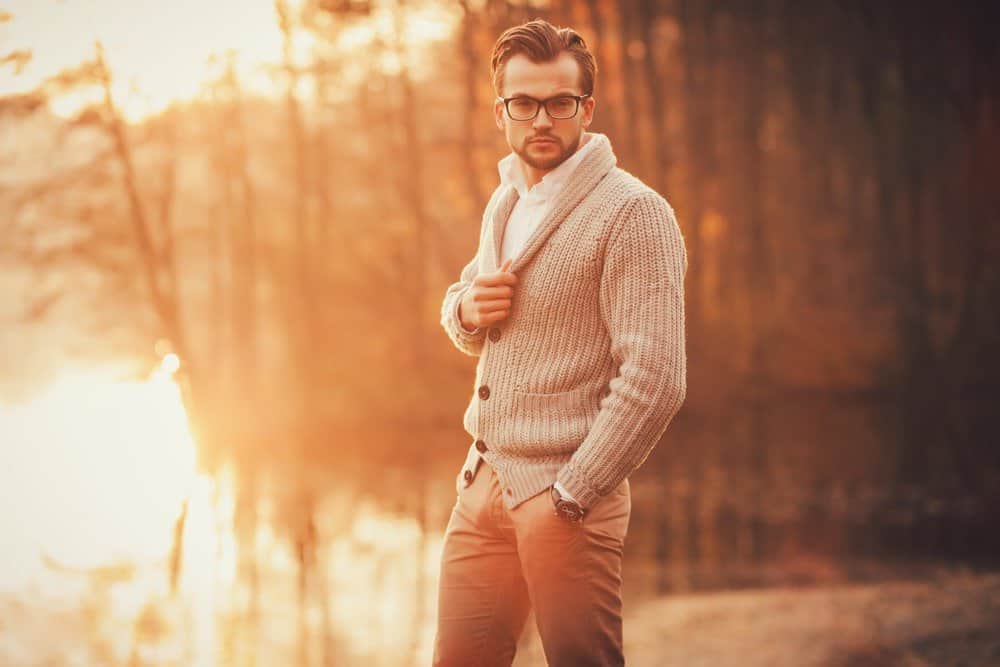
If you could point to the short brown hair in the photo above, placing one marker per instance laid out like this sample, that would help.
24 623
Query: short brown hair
542 42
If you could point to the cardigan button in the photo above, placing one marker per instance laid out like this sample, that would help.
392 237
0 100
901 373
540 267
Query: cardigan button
468 477
494 334
484 392
480 446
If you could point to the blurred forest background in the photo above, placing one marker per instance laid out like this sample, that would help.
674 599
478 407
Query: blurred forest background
285 253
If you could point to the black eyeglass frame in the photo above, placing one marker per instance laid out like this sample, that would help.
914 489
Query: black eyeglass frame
543 103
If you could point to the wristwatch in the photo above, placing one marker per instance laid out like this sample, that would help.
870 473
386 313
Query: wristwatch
567 509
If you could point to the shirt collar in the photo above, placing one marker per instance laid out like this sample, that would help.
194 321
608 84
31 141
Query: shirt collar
552 182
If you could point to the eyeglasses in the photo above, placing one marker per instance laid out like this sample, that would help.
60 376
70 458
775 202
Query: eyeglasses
559 107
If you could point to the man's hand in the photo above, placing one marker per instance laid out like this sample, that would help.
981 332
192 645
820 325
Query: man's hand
488 300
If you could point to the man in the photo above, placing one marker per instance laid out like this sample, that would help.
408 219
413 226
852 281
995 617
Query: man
574 305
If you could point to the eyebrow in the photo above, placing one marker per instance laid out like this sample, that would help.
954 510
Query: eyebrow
523 94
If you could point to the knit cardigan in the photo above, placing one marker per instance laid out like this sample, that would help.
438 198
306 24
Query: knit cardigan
579 383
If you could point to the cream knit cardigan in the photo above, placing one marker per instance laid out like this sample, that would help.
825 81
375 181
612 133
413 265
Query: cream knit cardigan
581 380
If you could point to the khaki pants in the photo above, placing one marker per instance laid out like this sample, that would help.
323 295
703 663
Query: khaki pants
498 562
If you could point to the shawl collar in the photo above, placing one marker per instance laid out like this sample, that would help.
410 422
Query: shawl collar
581 182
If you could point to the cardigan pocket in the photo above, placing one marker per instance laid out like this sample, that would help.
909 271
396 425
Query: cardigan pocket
555 421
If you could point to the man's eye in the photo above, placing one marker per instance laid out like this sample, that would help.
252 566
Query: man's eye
522 104
562 104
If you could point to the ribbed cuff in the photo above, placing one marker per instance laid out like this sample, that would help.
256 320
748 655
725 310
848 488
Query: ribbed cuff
462 336
578 487
563 492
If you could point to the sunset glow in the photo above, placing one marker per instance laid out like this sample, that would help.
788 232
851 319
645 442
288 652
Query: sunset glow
159 54
237 409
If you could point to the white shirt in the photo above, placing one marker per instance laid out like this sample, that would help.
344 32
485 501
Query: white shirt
532 205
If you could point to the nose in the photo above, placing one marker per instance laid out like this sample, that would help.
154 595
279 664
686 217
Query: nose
542 119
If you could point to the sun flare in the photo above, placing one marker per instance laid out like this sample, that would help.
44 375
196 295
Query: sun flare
96 468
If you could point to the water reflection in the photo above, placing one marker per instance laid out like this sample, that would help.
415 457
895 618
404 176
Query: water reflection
93 476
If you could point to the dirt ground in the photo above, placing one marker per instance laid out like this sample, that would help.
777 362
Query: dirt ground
950 620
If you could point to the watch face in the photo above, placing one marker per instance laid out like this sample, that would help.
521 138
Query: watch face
567 509
570 511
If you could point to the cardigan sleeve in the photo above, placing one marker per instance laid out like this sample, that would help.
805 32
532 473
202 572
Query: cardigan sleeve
469 342
642 305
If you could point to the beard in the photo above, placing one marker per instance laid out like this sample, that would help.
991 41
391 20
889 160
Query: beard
550 161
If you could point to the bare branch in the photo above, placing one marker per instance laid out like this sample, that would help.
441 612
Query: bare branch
19 59
21 104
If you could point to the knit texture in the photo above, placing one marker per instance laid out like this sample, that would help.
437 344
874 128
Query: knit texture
582 379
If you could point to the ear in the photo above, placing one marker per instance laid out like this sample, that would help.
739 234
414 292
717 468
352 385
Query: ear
498 115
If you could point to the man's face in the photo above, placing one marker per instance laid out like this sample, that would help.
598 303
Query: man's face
543 143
